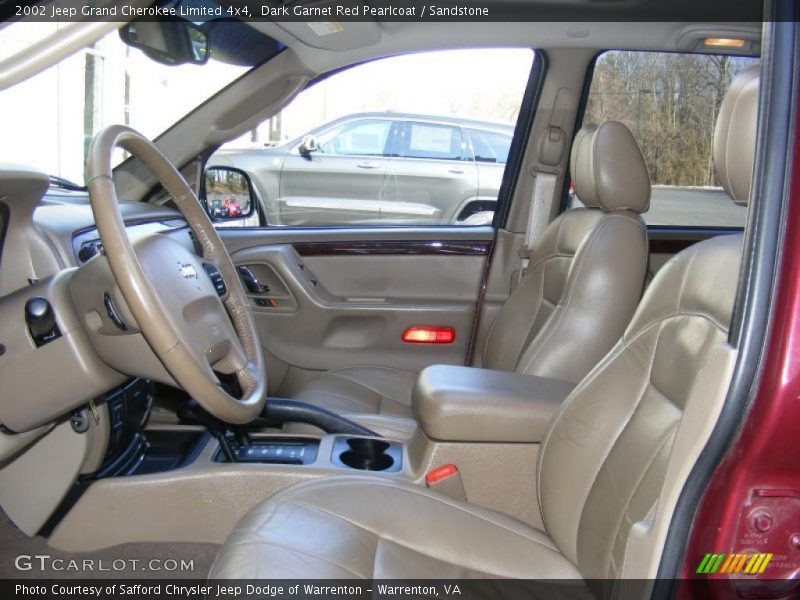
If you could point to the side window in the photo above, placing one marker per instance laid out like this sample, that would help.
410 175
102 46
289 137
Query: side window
490 146
417 139
357 138
670 102
430 140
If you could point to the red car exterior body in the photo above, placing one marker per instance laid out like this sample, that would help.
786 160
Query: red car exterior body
752 502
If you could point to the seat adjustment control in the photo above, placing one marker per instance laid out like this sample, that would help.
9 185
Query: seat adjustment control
41 320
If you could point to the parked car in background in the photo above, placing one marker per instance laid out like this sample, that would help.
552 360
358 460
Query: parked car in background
380 168
234 207
218 210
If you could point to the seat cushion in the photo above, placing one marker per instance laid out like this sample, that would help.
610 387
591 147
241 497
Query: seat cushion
347 527
376 397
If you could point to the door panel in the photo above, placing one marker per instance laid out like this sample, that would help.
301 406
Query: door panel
341 181
428 191
428 179
346 297
331 190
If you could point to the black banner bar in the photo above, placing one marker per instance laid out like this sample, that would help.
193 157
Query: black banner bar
332 11
399 589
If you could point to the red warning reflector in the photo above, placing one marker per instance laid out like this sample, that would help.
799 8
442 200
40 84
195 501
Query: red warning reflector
429 335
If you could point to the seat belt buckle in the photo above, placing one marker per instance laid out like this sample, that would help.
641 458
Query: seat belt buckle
446 480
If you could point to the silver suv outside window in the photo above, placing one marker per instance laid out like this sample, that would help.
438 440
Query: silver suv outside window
431 141
359 138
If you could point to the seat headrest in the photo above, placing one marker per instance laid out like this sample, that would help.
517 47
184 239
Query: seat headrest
735 135
608 169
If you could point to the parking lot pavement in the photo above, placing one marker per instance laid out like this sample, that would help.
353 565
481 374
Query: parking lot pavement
698 207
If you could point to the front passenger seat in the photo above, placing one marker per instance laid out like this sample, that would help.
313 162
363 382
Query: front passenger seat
584 279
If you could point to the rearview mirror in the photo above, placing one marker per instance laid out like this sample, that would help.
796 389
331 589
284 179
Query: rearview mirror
167 42
227 194
308 145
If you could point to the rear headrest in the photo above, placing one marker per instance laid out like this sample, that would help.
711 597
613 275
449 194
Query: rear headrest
735 135
608 169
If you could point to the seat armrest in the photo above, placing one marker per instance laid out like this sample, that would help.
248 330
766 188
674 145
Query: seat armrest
467 404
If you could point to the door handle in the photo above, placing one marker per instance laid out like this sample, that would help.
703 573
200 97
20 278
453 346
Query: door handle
457 171
366 165
250 282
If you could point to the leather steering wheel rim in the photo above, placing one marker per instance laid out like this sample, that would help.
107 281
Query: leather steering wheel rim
186 350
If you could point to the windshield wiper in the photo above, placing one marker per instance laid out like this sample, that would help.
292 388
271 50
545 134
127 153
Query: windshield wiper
66 184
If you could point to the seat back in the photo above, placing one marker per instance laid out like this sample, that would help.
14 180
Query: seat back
608 464
585 275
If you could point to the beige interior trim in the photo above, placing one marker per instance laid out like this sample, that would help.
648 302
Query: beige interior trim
32 486
74 372
203 501
13 444
21 189
336 312
564 79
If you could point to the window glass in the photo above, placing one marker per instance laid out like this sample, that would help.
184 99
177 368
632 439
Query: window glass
670 102
109 82
358 138
421 140
489 146
385 143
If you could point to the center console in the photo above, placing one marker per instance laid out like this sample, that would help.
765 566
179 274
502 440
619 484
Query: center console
191 482
367 454
281 451
134 449
359 453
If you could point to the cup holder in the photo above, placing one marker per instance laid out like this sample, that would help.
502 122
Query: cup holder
367 454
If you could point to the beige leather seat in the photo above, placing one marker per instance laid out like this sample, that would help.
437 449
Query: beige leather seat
584 280
602 465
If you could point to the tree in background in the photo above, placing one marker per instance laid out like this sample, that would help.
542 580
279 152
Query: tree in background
670 102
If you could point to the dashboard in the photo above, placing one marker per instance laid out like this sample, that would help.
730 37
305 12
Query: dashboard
68 407
66 217
51 336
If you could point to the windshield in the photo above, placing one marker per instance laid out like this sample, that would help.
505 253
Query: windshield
49 120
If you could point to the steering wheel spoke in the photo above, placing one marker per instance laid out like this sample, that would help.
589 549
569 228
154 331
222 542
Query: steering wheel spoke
235 359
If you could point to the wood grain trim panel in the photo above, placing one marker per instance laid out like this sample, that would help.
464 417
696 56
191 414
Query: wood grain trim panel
389 247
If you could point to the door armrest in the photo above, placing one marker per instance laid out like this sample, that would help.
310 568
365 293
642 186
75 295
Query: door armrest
467 404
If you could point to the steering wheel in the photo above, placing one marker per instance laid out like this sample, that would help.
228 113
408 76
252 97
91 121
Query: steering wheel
197 325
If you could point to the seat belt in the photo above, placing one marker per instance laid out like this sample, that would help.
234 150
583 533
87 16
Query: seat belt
546 172
544 187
